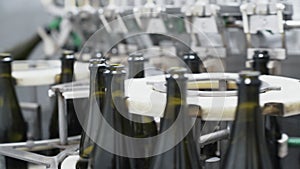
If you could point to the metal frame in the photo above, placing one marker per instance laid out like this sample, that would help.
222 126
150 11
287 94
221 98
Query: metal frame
20 151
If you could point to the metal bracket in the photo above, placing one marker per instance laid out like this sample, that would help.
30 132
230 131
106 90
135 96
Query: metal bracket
213 137
19 151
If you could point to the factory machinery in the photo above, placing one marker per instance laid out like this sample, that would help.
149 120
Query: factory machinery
207 37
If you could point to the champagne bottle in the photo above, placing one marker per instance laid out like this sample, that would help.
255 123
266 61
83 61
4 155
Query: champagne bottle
23 50
272 126
97 92
114 103
67 72
142 126
247 146
147 127
183 155
12 125
195 65
193 62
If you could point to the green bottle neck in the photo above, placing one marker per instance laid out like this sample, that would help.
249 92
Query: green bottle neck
176 98
114 95
261 66
67 71
5 70
97 81
248 119
248 94
117 86
193 64
113 98
136 69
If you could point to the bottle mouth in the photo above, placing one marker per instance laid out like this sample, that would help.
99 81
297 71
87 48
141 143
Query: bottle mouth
249 77
5 57
68 52
68 55
117 69
135 57
261 55
97 62
191 55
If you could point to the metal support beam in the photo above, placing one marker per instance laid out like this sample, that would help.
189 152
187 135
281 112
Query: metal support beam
213 137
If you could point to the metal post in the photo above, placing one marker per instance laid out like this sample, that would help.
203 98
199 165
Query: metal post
49 162
213 137
223 144
62 118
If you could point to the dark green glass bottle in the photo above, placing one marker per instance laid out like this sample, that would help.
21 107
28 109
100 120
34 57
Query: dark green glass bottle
193 62
96 101
12 125
272 125
114 103
247 146
183 155
142 126
67 72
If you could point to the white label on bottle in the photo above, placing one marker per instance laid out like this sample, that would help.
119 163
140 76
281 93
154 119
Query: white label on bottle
2 162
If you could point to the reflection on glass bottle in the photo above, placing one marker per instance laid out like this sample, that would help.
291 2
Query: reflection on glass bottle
272 126
67 72
12 125
247 147
136 68
142 126
96 101
114 109
183 155
193 62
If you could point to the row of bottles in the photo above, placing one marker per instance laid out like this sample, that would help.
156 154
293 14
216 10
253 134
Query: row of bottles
12 124
248 146
184 154
137 126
